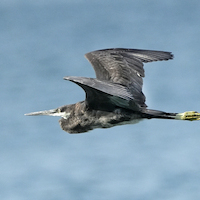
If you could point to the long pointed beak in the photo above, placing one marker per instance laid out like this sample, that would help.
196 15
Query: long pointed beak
53 112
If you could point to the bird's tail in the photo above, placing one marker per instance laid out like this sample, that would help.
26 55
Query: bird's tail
188 115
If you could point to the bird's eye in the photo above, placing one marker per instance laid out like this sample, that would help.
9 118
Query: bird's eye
62 109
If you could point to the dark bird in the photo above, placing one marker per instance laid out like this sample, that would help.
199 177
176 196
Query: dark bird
115 96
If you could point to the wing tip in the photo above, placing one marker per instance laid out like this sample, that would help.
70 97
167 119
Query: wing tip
170 55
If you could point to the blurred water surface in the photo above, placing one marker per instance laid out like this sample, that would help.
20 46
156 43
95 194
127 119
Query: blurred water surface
43 41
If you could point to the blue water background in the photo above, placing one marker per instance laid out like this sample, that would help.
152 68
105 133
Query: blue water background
41 41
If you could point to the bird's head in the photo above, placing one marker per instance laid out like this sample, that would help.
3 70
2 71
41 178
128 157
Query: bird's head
63 111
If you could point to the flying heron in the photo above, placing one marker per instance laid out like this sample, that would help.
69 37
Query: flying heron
115 96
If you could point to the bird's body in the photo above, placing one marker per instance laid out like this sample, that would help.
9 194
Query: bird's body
115 96
84 119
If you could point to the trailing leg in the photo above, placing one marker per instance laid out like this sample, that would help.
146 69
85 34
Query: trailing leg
188 115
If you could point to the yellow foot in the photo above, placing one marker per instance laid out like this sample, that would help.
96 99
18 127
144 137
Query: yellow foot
189 115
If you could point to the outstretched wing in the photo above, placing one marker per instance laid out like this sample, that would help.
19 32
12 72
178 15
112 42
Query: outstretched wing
125 67
119 75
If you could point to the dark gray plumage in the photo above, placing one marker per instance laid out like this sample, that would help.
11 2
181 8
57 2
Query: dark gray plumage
115 96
